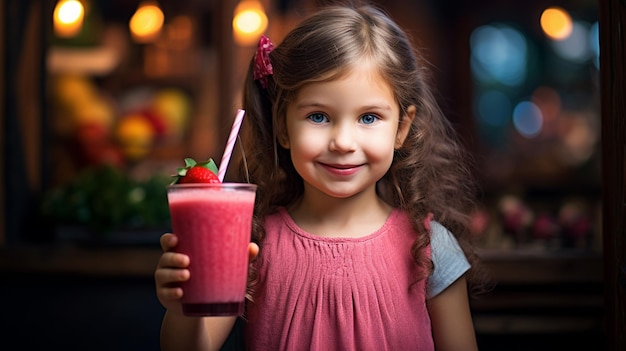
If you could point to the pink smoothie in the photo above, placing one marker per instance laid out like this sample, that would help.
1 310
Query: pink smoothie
213 226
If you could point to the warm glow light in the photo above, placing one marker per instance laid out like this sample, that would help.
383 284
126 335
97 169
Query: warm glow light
68 18
146 23
556 23
249 22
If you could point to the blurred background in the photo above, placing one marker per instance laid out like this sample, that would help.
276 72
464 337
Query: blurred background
102 100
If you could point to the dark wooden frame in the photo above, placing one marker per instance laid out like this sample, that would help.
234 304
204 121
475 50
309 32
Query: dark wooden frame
2 117
613 108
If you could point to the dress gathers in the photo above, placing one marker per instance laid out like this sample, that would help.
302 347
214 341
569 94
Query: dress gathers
320 293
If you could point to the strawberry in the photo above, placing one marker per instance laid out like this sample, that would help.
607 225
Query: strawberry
193 172
199 174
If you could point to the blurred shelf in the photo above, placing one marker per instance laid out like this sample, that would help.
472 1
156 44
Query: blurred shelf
515 324
542 266
541 292
89 61
74 260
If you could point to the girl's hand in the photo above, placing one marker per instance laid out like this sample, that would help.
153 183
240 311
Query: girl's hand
172 271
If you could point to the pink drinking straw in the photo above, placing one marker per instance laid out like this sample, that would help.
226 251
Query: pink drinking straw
228 152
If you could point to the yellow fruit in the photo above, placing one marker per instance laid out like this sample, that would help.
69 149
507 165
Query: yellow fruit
174 106
96 111
69 88
76 101
135 136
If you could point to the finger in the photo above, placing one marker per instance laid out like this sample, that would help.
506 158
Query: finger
173 260
167 278
174 293
168 241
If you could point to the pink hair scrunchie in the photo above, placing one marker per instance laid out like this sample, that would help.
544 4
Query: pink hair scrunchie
262 64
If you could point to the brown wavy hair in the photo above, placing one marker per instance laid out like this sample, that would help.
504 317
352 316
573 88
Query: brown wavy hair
429 174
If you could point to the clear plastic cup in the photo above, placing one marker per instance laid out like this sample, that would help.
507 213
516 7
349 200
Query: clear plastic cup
213 225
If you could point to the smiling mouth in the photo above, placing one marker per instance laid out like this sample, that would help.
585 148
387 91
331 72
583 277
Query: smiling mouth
341 170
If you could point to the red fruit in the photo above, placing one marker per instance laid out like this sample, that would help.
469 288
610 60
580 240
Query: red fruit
199 174
205 172
156 120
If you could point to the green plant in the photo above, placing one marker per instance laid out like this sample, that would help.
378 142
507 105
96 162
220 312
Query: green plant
105 199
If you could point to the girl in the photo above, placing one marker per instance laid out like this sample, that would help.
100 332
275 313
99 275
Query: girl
356 204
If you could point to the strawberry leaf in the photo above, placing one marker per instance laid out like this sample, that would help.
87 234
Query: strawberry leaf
210 164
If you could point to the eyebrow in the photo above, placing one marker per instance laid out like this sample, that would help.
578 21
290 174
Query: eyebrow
308 104
382 106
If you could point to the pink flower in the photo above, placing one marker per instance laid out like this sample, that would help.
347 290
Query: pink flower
262 64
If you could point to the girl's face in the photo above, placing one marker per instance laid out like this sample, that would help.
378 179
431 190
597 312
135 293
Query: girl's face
342 133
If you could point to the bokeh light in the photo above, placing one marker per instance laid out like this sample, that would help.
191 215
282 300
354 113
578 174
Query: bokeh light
499 53
68 18
556 23
527 119
576 47
249 22
146 23
594 43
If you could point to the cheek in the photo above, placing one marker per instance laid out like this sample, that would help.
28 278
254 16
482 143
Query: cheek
380 148
381 157
305 146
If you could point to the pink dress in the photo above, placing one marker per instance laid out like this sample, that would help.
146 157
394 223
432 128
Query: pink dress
318 293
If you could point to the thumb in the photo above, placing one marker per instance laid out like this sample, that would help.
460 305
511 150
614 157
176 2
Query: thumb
253 251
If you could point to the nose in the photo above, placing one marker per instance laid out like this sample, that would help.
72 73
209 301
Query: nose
343 138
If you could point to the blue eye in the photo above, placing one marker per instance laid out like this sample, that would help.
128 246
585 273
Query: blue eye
368 119
317 118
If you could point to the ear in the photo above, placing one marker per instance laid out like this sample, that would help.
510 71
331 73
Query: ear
283 137
281 133
283 140
404 126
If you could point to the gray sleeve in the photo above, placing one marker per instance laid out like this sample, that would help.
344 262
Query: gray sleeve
448 258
